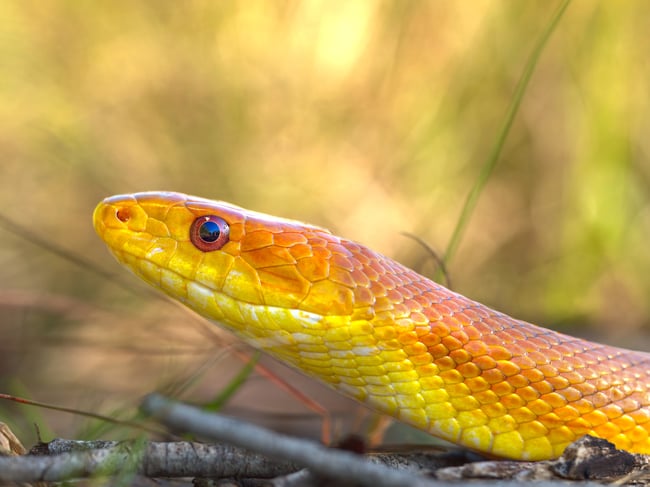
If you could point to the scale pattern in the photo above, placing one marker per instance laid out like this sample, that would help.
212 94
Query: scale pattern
383 334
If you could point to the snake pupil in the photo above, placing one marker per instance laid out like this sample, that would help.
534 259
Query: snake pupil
209 233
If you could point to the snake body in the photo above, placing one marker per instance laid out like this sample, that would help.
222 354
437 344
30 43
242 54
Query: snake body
380 332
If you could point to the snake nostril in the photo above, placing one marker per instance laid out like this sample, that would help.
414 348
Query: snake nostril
123 215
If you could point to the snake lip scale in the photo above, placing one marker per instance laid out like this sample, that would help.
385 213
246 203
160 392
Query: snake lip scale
379 332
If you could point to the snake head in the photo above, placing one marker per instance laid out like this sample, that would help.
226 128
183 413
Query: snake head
236 266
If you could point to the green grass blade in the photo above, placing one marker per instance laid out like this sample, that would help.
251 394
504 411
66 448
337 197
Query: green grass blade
493 158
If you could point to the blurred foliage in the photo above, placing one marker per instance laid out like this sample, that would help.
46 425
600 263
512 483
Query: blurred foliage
369 118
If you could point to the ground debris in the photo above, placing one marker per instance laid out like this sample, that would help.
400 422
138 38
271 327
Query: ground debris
589 458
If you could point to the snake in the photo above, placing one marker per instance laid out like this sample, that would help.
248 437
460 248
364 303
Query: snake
379 332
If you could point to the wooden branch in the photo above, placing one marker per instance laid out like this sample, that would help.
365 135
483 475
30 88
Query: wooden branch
322 461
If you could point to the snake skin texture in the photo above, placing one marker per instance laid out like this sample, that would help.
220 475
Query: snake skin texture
383 334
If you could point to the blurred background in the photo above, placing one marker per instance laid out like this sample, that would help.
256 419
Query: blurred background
370 118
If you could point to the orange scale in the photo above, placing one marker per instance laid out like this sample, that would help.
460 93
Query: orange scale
460 356
443 310
498 352
482 312
547 370
558 382
585 388
471 314
540 407
400 310
445 363
431 340
517 335
629 404
336 248
603 384
360 278
462 318
485 362
543 387
580 426
496 325
313 269
386 279
472 333
607 430
417 317
256 240
422 301
487 397
583 406
575 362
382 304
365 255
563 350
554 400
452 343
428 375
268 257
641 416
440 329
342 262
571 394
567 413
518 381
533 375
638 434
555 425
518 350
420 359
523 415
476 348
363 297
524 362
483 330
371 274
612 411
452 377
616 393
560 435
396 296
461 336
289 239
513 401
537 342
415 349
614 366
502 389
599 399
508 368
474 383
537 357
551 355
493 410
625 423
493 341
587 373
595 418
408 338
494 376
300 251
527 393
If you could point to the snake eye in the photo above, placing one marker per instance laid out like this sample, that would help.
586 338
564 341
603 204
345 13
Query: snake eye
209 233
